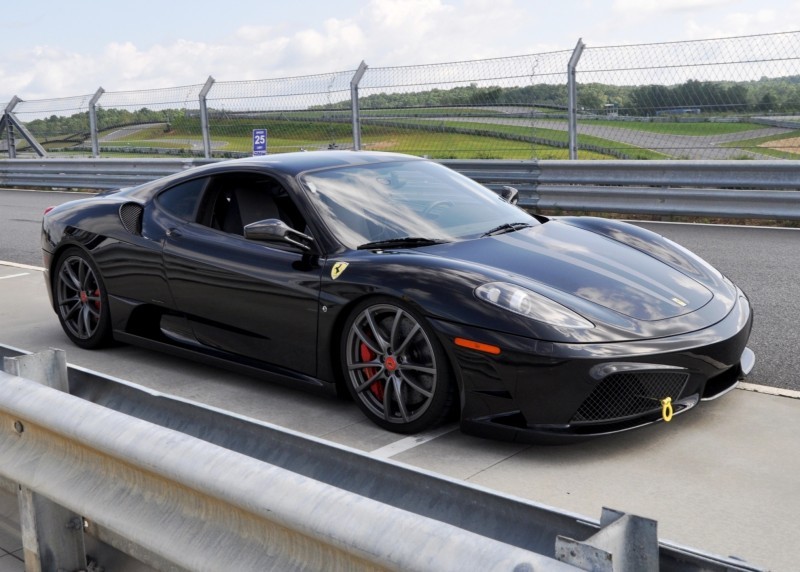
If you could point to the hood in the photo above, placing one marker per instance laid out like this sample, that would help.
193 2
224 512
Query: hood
594 267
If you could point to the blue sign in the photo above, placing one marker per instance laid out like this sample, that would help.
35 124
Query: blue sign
259 142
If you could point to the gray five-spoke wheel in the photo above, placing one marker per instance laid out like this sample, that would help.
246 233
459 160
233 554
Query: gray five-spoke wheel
79 300
394 368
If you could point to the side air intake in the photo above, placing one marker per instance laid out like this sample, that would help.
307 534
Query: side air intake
131 216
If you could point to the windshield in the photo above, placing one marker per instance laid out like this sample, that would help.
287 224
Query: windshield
421 200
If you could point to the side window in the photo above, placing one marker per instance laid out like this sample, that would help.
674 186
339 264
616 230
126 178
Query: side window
182 200
235 200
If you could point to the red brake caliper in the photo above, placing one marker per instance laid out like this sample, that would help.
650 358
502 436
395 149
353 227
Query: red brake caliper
84 297
368 355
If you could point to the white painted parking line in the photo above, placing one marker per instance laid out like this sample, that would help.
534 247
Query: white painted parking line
412 441
22 266
14 275
769 390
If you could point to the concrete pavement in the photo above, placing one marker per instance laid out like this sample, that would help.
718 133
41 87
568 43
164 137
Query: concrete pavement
723 478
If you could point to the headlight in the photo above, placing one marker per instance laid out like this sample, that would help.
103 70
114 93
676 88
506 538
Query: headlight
531 305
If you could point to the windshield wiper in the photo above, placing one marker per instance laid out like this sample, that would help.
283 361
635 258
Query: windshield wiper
506 227
403 242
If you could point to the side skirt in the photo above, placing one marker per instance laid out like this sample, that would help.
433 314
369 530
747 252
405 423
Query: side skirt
261 371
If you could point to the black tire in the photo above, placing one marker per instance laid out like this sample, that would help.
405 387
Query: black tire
81 300
395 368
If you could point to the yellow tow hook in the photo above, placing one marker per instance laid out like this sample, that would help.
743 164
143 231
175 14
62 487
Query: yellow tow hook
666 409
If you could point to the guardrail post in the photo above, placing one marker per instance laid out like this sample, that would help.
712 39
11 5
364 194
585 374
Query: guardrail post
48 368
52 536
93 121
626 543
354 102
204 117
572 94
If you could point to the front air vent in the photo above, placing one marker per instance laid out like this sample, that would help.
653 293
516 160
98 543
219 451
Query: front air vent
131 216
624 395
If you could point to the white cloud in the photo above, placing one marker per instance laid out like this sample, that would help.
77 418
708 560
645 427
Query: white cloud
656 6
761 21
412 16
381 32
335 41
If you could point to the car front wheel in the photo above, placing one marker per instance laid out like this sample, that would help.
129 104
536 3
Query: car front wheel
395 368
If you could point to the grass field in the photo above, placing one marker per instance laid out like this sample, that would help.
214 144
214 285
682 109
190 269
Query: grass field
440 138
459 146
784 146
590 147
295 135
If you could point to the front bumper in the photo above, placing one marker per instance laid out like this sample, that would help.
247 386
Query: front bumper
536 391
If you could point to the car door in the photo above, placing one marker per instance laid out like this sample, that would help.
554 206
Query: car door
255 299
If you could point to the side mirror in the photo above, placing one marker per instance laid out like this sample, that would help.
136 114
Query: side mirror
509 194
275 230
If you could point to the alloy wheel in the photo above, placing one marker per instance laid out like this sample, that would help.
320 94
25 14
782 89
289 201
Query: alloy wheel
391 364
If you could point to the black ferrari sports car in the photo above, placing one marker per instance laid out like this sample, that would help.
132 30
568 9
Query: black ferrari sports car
423 293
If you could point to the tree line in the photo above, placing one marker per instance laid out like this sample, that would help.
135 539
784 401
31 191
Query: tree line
764 95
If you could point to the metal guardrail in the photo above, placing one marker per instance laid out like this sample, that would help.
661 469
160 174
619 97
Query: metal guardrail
186 487
727 189
95 174
199 506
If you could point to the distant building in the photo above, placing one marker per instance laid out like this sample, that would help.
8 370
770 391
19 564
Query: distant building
679 111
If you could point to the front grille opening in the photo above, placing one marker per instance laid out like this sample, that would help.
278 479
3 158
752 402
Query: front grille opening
630 394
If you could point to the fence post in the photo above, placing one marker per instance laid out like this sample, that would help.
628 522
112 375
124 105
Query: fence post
52 536
11 122
354 102
12 146
572 94
93 121
204 117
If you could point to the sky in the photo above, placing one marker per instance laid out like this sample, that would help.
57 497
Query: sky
54 49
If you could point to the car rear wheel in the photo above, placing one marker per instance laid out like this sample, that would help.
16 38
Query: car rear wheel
395 368
81 300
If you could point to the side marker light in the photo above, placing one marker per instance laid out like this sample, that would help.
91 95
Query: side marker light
477 346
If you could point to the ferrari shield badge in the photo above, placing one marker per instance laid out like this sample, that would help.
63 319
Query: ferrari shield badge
337 269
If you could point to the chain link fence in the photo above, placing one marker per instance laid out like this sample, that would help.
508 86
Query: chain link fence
487 109
299 113
56 123
712 99
158 121
733 98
